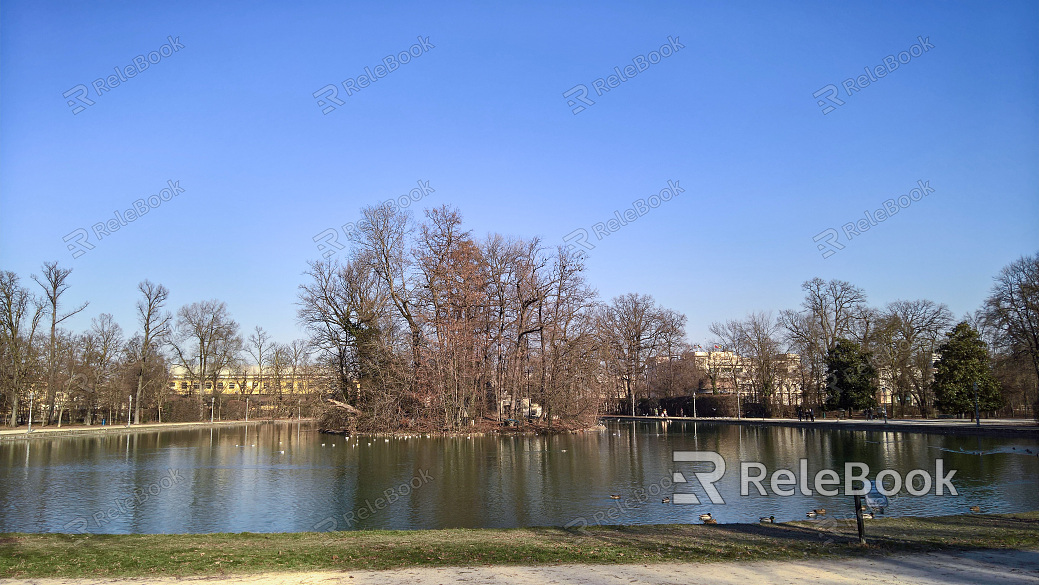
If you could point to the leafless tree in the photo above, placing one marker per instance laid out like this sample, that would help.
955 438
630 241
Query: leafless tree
206 342
1012 311
734 342
20 313
762 342
155 324
54 286
633 328
914 329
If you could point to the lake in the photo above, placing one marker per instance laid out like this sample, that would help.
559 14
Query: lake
287 477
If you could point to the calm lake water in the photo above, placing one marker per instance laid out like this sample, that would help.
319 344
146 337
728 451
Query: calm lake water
288 478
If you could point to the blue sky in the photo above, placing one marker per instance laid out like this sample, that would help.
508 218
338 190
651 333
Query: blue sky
481 116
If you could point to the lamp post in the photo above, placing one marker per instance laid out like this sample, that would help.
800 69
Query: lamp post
212 409
738 400
129 412
32 396
977 413
246 409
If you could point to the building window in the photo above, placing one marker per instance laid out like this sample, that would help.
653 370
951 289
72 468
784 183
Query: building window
219 385
209 385
183 385
230 385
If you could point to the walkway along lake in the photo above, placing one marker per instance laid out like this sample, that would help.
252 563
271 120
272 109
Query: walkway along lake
287 477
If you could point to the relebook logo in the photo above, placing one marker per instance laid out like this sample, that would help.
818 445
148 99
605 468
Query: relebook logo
825 482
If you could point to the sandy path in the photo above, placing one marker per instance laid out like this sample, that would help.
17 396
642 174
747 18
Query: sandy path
989 567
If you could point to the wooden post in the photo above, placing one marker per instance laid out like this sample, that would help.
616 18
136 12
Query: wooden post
858 519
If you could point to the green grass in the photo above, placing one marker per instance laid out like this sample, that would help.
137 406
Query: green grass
61 555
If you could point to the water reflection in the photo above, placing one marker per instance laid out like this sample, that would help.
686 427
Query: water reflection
287 477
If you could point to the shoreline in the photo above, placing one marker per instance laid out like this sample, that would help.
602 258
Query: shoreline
53 432
995 428
1009 428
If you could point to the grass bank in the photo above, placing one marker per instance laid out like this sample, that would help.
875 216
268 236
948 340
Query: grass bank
81 555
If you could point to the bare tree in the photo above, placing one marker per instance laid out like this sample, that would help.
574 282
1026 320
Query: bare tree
206 342
734 342
259 348
102 346
915 327
384 236
344 309
20 314
761 340
833 306
1012 310
633 327
54 286
155 330
830 311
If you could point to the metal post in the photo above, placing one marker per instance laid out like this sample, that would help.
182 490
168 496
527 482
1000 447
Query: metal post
858 519
212 409
977 414
129 412
32 396
246 409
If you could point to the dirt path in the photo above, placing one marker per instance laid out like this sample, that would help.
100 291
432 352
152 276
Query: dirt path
989 567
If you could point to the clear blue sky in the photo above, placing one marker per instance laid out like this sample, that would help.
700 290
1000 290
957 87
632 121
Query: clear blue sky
482 117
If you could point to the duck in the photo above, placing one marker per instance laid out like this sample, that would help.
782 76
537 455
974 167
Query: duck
615 496
710 521
820 511
975 508
706 517
665 501
867 515
811 515
767 519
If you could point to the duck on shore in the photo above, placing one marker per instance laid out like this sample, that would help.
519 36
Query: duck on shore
768 519
706 517
710 521
867 515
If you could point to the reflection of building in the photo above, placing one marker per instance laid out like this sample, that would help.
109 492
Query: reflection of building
249 381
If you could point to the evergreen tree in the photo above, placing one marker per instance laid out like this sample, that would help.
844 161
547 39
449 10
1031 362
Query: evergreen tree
850 377
965 360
